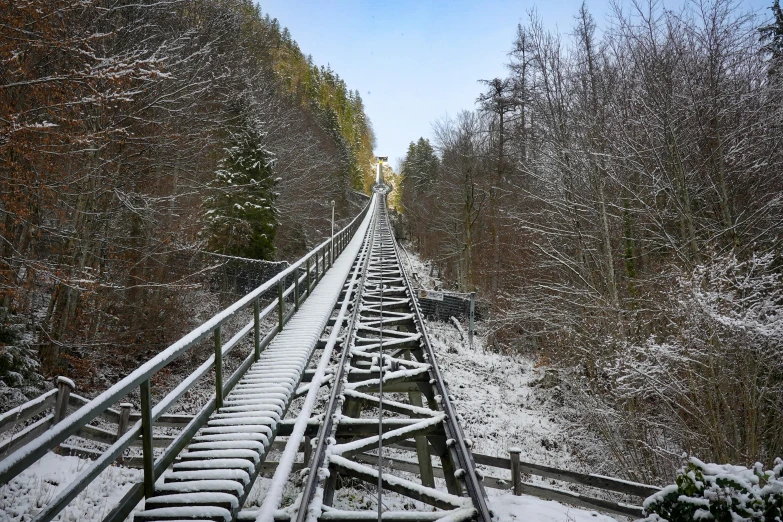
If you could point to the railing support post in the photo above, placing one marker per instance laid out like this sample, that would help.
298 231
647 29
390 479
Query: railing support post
256 329
218 369
64 388
472 318
296 289
516 472
122 425
280 304
146 439
309 288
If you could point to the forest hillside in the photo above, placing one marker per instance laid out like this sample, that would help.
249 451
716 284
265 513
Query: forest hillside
136 139
617 202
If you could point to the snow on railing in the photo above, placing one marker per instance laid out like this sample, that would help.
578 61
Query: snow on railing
43 437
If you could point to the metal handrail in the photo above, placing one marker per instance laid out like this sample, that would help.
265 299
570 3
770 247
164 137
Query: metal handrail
25 456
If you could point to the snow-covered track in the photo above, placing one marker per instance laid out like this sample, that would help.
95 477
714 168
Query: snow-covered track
239 422
376 358
387 364
226 456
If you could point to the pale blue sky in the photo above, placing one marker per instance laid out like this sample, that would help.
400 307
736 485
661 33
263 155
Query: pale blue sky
417 61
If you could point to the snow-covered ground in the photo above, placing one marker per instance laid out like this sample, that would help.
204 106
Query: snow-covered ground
508 508
34 488
501 400
503 403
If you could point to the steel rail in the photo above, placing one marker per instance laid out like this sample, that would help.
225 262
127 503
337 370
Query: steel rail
325 433
453 430
351 288
455 439
380 387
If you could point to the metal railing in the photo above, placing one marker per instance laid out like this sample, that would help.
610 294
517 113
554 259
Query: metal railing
518 485
307 272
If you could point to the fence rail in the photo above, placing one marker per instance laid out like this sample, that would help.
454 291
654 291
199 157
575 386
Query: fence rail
514 482
49 433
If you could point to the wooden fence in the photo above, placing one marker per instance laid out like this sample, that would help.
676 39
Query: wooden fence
60 398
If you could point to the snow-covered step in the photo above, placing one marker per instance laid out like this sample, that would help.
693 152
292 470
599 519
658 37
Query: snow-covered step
208 474
233 436
249 454
202 498
226 445
222 464
195 486
216 472
184 513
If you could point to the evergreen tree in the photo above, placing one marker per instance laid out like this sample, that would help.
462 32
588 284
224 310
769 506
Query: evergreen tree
241 217
420 164
772 34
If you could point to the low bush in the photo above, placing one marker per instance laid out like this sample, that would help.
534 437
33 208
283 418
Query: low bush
723 493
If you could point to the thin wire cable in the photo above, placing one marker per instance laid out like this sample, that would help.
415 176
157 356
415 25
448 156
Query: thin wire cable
380 390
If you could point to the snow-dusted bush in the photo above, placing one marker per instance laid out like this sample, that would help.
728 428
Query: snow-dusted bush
704 376
18 364
723 493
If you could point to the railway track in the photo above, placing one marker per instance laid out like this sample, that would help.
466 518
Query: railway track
342 387
385 375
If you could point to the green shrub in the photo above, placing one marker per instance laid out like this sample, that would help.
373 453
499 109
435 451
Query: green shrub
723 493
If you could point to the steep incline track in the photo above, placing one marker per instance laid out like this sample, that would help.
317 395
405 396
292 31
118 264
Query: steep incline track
214 476
349 356
385 369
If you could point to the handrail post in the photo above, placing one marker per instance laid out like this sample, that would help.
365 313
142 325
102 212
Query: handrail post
256 329
296 289
218 369
309 288
64 388
122 424
516 472
316 268
280 303
471 319
146 439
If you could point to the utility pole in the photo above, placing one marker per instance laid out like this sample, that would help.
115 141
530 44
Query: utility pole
471 320
331 247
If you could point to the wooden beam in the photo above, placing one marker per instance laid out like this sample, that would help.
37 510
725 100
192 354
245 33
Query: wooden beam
372 442
396 484
361 428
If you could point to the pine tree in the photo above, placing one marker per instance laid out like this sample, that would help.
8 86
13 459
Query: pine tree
773 35
420 164
241 217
